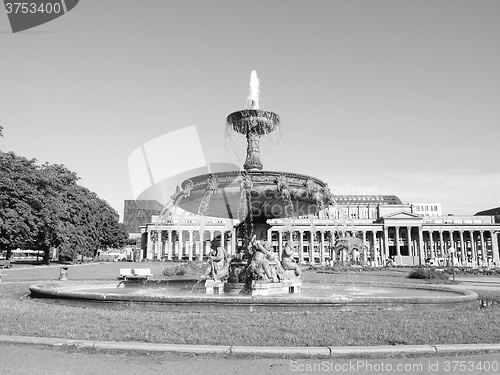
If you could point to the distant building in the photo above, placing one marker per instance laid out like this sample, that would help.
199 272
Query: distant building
495 212
393 232
137 213
426 209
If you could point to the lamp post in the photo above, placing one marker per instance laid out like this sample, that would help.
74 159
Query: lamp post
451 251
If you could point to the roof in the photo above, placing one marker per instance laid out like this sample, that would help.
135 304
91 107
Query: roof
367 199
491 211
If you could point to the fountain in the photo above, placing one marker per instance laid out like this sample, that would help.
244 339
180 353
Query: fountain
255 278
253 196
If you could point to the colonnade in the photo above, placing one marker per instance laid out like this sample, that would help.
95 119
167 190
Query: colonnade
405 245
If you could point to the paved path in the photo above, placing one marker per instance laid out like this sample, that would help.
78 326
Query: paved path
17 359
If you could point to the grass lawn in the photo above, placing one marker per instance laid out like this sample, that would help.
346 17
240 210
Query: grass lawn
125 322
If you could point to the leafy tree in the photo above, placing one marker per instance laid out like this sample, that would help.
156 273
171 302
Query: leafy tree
19 202
43 206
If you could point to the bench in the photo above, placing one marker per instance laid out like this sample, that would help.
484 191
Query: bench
135 274
5 263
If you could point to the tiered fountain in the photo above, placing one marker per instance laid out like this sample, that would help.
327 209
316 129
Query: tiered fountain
253 196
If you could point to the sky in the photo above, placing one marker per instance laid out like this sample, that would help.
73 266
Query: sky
375 97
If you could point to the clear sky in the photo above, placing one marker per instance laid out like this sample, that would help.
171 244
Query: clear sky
377 97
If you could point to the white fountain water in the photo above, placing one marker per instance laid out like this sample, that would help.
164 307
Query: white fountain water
253 98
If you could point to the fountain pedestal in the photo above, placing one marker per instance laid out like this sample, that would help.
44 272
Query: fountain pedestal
214 287
259 288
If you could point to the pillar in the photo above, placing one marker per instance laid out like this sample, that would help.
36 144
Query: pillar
190 246
441 244
301 246
280 244
409 241
159 247
322 247
149 247
311 246
365 255
398 250
385 254
421 259
483 247
494 248
431 243
180 245
169 245
463 251
375 258
473 248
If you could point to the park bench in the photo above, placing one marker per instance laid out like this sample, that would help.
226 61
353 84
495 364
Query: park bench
135 273
5 263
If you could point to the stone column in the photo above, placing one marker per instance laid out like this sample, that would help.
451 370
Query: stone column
421 259
483 247
385 253
473 248
311 246
159 246
180 245
494 248
375 249
301 246
149 247
431 243
234 242
441 244
322 247
270 235
190 245
398 250
409 241
280 244
463 251
169 245
365 255
201 247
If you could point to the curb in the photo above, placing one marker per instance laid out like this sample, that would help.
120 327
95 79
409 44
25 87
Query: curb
327 351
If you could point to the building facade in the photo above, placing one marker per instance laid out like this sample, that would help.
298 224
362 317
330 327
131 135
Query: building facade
392 232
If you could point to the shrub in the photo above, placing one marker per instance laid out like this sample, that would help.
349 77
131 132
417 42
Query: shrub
425 273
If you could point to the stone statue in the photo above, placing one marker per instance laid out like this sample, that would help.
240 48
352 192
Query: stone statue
259 264
349 249
218 266
287 260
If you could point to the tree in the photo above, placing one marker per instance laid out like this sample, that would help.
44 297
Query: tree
44 207
19 202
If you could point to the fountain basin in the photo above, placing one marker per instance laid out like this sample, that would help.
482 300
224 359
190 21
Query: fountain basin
224 195
176 295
